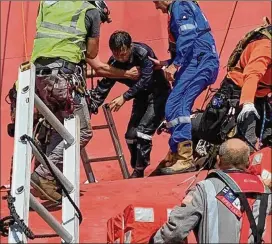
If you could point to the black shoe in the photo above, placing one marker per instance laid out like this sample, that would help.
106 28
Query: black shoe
137 174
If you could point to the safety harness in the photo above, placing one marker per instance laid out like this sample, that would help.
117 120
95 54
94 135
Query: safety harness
256 34
42 130
245 189
218 122
63 93
171 38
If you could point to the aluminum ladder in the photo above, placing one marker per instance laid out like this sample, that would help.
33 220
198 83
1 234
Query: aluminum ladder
20 186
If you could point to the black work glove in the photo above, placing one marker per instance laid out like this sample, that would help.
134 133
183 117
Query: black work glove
93 108
92 103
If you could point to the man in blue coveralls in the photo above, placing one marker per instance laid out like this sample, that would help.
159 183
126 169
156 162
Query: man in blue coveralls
193 66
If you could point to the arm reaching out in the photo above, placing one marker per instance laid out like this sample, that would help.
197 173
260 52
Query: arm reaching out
105 70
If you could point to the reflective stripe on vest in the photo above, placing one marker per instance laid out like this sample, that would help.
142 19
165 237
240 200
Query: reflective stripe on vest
77 14
79 43
72 29
212 212
242 183
64 36
57 36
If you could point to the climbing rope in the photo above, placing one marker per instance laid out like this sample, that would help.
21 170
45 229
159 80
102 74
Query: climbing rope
209 89
14 218
209 162
29 139
5 47
8 221
24 31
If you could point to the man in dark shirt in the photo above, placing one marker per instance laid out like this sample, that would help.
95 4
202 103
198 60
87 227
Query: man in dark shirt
149 92
93 19
92 23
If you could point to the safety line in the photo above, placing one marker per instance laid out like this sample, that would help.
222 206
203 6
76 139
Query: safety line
222 47
24 31
5 47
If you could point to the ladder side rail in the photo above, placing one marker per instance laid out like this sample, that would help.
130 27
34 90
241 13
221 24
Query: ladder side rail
87 166
50 220
71 169
116 141
20 185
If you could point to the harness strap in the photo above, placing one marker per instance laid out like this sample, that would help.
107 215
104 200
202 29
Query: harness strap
262 214
246 203
245 226
228 180
257 230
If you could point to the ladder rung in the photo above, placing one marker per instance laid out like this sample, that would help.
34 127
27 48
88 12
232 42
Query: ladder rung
103 159
100 127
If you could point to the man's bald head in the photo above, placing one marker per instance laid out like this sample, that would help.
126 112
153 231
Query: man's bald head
234 153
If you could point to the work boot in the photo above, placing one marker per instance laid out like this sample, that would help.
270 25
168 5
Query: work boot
48 188
182 161
142 157
137 173
166 162
133 154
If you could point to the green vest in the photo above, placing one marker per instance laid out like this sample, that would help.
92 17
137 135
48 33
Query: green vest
61 31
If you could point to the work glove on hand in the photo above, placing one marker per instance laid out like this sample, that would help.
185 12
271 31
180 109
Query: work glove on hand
246 110
93 108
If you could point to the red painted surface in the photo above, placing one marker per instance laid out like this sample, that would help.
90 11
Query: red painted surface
105 199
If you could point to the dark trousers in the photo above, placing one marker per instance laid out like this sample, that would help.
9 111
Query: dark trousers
147 114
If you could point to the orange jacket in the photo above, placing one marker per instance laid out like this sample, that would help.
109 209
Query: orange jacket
255 78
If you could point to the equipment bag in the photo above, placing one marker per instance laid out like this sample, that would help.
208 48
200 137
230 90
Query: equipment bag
218 118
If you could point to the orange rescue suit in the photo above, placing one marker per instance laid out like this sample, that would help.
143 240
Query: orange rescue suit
253 71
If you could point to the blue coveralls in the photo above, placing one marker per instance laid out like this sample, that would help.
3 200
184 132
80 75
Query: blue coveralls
195 53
